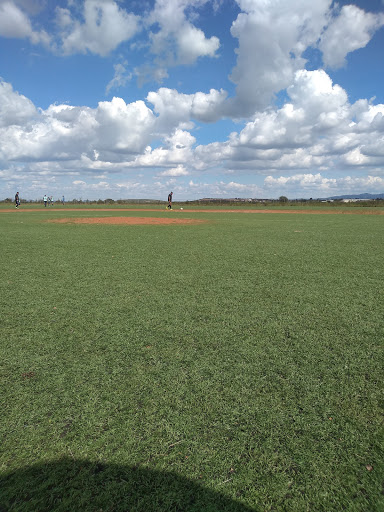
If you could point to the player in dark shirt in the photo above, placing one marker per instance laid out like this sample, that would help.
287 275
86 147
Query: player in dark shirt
170 200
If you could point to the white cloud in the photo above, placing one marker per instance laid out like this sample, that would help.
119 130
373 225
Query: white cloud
355 157
303 131
123 127
314 91
115 130
105 27
316 128
302 180
120 78
14 23
102 185
272 37
176 40
193 44
316 183
180 170
15 109
177 150
350 30
100 26
174 108
223 189
32 7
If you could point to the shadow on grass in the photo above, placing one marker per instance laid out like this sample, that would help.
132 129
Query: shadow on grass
78 485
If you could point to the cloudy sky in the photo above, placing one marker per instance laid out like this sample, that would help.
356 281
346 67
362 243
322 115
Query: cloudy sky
208 98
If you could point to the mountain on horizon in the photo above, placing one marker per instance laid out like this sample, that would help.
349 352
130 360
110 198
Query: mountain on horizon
355 196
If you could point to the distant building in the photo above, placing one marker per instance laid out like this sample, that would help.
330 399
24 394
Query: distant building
354 200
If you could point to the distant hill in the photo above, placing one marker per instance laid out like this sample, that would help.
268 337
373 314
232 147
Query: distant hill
355 196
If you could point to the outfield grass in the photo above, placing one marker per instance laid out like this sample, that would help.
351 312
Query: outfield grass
235 365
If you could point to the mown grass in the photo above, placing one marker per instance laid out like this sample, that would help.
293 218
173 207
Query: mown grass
241 360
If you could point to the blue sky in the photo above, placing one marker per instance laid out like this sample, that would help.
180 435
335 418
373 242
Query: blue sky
208 98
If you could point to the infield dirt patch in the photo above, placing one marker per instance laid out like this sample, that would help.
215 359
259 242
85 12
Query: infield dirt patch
127 220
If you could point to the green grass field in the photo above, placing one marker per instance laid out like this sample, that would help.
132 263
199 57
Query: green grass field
230 366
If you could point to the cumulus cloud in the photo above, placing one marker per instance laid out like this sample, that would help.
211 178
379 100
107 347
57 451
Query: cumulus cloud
317 125
115 130
180 170
355 157
323 185
104 27
316 129
272 39
273 36
316 107
100 26
15 23
123 127
174 108
176 40
350 30
193 44
224 189
177 150
303 180
120 78
100 187
15 109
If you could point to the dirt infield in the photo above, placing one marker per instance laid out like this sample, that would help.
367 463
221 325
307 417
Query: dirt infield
127 220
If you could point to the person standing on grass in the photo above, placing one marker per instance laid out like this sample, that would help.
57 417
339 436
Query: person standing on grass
45 199
51 200
63 200
17 200
170 200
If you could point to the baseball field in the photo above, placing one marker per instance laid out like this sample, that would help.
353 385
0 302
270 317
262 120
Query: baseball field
193 360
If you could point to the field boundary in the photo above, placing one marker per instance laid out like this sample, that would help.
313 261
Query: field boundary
187 210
